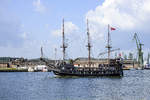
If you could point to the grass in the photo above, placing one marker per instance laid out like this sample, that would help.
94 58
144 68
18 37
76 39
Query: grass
12 70
8 68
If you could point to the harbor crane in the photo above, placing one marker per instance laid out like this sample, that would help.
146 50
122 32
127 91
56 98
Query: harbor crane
139 48
148 57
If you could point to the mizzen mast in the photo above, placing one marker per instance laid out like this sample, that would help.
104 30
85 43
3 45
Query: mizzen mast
108 45
89 45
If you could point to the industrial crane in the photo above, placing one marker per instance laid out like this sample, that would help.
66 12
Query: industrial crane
148 57
139 48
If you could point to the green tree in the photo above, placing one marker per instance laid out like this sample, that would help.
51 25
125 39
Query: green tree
125 56
130 56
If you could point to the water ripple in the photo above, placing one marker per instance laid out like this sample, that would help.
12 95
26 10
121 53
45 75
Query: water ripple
135 85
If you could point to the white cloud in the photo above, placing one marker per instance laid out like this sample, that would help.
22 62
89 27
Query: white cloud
47 26
39 7
57 32
29 49
124 14
69 28
24 35
10 30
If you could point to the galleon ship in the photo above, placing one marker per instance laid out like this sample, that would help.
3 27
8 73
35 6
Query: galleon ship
112 68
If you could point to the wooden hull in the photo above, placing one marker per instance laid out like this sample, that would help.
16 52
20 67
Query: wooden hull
147 68
89 73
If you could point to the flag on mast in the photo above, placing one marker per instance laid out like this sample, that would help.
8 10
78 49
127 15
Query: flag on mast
112 28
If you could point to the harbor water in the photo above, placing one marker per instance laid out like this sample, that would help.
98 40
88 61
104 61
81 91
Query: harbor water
135 85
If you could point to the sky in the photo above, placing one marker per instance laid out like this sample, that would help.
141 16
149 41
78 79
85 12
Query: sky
26 25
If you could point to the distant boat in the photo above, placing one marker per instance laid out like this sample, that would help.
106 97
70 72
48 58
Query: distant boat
147 66
41 68
138 68
126 68
30 69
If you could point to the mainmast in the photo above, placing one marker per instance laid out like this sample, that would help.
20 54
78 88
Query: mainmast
108 45
63 42
89 45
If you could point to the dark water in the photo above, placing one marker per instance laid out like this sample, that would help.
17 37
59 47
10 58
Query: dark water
135 85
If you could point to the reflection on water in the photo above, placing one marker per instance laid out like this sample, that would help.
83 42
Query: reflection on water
135 85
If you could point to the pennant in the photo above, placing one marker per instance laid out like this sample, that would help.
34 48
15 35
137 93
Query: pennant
112 29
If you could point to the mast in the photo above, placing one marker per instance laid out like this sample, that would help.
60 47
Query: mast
63 42
41 52
108 45
89 45
55 55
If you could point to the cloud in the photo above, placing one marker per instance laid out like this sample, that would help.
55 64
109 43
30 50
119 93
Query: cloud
29 49
39 7
24 35
70 28
10 29
126 15
47 26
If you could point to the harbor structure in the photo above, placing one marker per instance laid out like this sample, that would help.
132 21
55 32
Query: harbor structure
139 49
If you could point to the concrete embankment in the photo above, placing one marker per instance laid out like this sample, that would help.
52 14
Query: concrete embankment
13 70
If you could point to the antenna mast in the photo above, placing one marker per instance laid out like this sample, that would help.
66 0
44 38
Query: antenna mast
89 45
63 42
